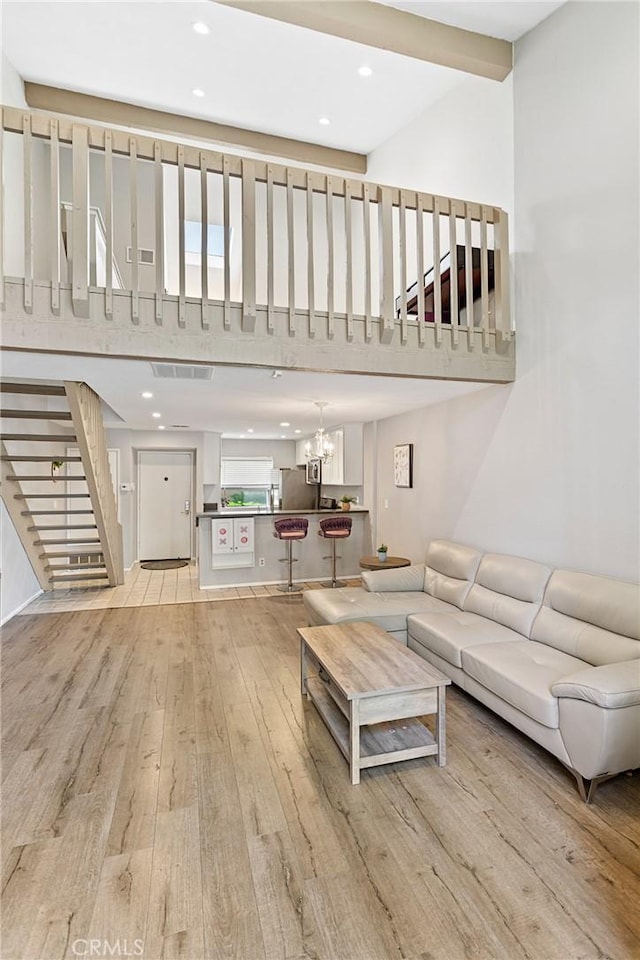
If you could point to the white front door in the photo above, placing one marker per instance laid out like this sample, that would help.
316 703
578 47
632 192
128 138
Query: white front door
165 492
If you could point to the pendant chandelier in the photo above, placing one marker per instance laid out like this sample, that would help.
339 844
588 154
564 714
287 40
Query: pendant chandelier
320 448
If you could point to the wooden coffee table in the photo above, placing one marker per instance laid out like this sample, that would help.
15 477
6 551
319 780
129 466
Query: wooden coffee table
370 691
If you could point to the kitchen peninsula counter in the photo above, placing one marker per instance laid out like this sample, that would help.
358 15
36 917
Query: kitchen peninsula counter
262 564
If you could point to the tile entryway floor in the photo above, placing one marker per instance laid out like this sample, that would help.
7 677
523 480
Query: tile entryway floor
143 588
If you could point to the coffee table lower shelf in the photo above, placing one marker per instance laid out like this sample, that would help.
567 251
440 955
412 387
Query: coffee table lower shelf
379 743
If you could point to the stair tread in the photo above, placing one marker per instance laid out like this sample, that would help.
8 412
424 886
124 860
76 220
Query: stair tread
35 414
49 496
82 576
33 389
53 513
74 566
65 540
68 553
45 476
65 526
39 459
41 437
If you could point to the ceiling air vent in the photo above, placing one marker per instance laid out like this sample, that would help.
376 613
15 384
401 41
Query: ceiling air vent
145 256
181 371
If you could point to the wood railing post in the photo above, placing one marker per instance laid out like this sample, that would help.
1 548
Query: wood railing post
501 270
248 246
385 242
80 222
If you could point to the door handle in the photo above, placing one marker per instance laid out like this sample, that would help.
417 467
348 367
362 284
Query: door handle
187 506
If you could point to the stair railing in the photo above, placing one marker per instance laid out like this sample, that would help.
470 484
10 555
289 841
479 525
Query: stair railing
86 411
311 250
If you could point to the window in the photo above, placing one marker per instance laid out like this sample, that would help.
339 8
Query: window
246 481
215 243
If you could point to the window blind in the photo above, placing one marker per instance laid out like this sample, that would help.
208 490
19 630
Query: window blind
246 472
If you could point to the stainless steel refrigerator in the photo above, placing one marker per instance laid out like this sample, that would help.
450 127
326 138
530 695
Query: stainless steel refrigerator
296 493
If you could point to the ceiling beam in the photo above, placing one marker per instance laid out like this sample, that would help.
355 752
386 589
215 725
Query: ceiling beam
386 28
119 113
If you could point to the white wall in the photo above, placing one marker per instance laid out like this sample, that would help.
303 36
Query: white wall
548 467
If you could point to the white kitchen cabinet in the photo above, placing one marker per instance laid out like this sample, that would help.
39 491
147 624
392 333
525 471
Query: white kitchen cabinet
301 455
232 542
333 471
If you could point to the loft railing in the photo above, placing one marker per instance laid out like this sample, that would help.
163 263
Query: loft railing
304 253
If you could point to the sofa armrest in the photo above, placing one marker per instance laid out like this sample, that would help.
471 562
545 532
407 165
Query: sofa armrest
394 580
613 685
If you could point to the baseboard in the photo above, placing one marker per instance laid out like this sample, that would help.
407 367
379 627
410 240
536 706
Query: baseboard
21 607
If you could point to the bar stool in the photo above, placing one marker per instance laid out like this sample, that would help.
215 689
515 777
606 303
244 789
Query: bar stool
334 529
290 529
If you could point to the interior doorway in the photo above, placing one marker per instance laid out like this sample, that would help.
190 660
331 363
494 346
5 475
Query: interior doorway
165 498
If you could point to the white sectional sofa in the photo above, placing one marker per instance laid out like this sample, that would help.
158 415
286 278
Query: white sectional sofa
554 652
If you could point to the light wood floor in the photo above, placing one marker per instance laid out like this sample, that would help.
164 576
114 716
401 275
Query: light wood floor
164 783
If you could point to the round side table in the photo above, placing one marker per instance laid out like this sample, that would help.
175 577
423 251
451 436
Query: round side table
372 563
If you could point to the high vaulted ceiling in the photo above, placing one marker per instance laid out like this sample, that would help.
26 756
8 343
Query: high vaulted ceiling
254 72
260 74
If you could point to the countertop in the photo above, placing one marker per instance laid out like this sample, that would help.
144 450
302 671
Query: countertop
239 512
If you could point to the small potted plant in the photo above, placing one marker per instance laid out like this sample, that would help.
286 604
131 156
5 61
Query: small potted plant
382 552
346 501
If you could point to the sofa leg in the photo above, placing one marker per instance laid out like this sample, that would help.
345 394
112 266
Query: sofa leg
587 788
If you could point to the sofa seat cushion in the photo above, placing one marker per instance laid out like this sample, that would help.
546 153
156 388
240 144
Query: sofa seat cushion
388 610
448 634
522 673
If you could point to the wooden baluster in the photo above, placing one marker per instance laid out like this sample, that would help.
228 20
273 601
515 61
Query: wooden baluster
28 211
133 200
159 204
366 225
420 266
402 235
385 242
484 277
204 243
108 222
226 221
311 282
182 256
437 275
291 249
330 255
248 246
468 276
453 274
349 267
80 222
54 186
270 251
501 273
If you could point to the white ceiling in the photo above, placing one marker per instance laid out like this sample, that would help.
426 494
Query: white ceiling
237 398
256 73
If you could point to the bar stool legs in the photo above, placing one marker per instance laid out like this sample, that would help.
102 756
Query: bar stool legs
334 529
290 529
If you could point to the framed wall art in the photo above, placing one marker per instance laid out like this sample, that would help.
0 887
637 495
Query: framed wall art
403 465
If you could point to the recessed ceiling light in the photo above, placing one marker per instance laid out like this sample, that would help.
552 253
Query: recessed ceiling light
147 395
324 121
285 424
162 427
365 71
297 431
282 436
197 92
250 430
156 415
200 27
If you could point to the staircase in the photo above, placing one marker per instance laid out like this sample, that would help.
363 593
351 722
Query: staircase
56 483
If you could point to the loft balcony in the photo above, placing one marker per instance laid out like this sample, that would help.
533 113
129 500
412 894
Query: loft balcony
125 245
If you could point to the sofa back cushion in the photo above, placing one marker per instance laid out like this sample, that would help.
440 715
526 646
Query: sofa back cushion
450 570
596 619
508 590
